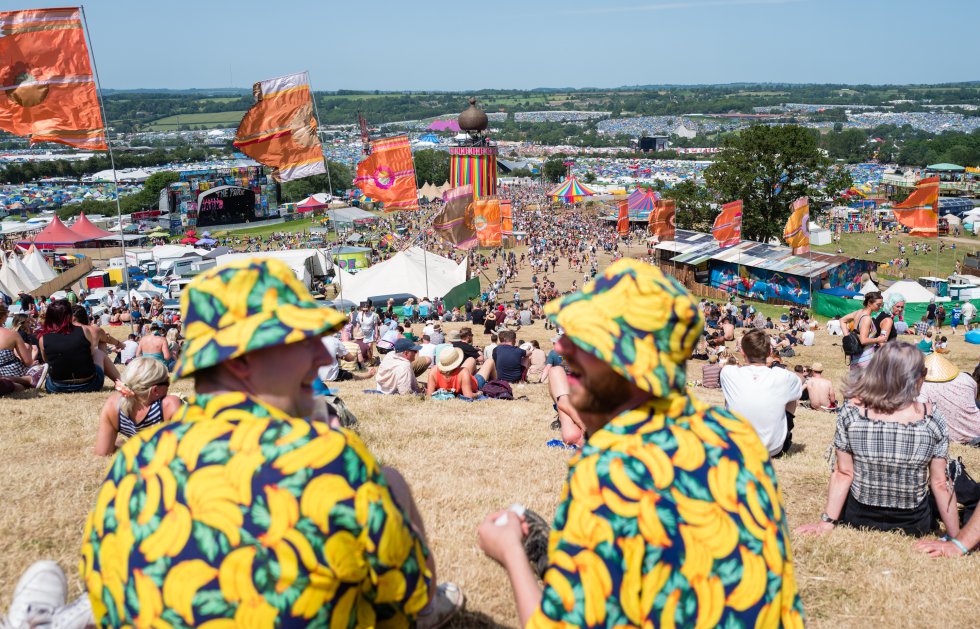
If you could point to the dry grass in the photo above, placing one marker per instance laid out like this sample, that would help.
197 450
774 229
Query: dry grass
464 460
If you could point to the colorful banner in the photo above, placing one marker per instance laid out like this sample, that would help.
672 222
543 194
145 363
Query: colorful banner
727 229
47 83
919 212
797 231
475 166
280 131
486 222
388 174
759 284
454 223
506 218
662 220
623 221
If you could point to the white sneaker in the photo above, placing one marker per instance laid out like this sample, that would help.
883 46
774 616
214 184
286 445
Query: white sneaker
76 615
41 590
38 375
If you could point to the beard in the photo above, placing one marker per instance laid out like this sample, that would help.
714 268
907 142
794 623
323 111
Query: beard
603 396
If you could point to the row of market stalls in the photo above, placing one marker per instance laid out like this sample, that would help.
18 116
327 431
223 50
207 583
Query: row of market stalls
760 270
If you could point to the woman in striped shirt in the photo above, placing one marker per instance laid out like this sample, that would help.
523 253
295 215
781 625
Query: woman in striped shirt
141 401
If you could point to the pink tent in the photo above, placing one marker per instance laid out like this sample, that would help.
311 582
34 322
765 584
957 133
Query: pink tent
85 228
309 204
56 234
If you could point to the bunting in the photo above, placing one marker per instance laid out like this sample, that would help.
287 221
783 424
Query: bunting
454 223
919 212
46 79
728 225
797 231
486 222
662 220
280 130
388 174
623 221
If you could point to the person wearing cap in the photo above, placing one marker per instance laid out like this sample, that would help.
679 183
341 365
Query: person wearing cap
954 394
890 470
820 390
246 508
399 371
670 499
457 374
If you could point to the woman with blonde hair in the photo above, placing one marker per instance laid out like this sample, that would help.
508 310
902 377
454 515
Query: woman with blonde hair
891 452
141 400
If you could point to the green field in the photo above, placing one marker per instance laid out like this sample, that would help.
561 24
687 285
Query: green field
930 264
221 119
265 230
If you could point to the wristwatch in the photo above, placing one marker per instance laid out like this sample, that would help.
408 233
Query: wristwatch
826 518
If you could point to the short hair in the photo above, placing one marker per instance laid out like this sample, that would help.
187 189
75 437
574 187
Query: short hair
465 331
756 346
493 337
890 381
425 337
78 311
507 336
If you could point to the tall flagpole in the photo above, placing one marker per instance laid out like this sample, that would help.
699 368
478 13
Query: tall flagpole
316 114
112 161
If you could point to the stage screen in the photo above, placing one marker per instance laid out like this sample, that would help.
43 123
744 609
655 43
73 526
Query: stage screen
225 205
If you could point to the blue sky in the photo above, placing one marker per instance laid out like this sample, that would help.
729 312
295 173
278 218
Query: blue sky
467 45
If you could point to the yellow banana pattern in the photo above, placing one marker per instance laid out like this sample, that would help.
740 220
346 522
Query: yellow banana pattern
238 515
670 526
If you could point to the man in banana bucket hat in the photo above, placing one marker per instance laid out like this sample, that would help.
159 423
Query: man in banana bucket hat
245 509
670 514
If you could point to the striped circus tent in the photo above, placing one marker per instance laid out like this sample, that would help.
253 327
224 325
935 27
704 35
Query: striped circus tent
640 203
570 191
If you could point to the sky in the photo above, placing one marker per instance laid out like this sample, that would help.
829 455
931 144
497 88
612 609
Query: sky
521 44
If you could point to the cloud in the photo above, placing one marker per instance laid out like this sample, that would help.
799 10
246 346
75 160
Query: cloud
675 6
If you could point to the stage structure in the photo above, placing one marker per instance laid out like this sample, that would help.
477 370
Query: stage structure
474 160
206 198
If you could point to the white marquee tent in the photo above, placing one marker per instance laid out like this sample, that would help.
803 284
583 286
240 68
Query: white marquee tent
305 263
14 282
38 265
17 266
412 271
913 292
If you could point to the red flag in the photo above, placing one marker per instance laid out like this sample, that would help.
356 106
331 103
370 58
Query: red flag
46 79
728 225
486 222
388 174
623 222
662 220
454 223
506 218
919 212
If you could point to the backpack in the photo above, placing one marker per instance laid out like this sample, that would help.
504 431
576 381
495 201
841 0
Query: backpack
498 390
851 343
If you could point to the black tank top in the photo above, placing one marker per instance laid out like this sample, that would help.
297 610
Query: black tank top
69 355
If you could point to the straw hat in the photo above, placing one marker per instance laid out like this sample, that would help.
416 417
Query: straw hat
454 336
816 367
939 369
449 359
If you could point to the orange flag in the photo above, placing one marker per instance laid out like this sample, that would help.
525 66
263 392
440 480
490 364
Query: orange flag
919 211
623 221
506 218
388 175
662 220
797 230
279 130
728 225
46 79
486 222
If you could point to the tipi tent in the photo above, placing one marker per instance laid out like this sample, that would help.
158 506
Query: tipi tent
36 263
406 272
17 267
11 280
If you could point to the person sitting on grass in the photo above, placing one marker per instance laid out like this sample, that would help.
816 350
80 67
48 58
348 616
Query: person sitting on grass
75 362
537 360
141 401
658 486
925 343
711 373
954 394
820 390
458 374
335 372
890 471
508 358
267 487
17 363
154 345
570 424
399 371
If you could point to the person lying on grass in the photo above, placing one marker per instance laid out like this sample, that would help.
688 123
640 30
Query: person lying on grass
670 500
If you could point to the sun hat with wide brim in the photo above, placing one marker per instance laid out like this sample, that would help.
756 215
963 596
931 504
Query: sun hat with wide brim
449 359
244 306
939 369
639 321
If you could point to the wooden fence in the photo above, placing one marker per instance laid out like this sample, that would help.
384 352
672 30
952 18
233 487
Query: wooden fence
64 280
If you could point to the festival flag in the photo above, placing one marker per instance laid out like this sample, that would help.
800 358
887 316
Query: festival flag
506 218
662 220
728 225
454 223
280 131
919 212
486 222
623 221
797 231
47 80
388 174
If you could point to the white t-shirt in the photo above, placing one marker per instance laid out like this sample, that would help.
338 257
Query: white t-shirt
808 338
488 351
428 350
128 352
335 347
760 394
833 328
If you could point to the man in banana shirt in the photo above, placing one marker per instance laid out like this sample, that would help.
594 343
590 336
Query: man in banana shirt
243 512
670 515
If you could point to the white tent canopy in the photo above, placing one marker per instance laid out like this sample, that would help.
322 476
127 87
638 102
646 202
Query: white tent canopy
17 266
10 279
149 289
913 292
868 287
305 263
405 272
36 263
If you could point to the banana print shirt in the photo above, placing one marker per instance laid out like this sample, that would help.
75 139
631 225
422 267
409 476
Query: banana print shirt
239 515
670 516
